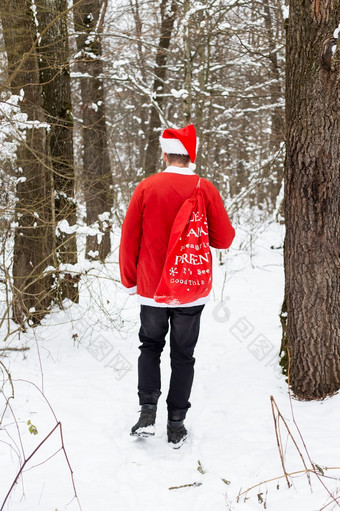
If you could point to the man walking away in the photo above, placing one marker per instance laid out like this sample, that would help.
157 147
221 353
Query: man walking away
143 250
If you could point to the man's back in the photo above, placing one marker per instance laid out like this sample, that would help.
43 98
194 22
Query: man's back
147 226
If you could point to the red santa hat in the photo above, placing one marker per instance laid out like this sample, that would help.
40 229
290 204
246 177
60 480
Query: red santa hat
182 141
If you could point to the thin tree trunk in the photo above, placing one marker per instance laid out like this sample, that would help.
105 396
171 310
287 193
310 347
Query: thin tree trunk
203 106
274 170
312 195
34 236
55 79
276 134
168 15
187 99
142 67
97 175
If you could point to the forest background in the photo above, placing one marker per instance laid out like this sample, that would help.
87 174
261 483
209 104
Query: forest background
87 88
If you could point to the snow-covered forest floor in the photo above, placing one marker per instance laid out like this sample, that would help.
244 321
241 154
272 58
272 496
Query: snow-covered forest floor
81 370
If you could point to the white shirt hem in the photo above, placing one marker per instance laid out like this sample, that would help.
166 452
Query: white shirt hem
143 300
130 290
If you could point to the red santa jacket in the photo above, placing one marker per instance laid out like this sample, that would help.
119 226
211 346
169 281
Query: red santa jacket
147 226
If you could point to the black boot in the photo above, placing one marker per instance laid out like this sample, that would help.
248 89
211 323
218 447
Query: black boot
177 434
146 424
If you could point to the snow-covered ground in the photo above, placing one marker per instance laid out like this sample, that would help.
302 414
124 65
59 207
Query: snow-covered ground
81 370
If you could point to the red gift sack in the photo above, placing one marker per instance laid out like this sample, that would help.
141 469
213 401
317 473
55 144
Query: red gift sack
187 272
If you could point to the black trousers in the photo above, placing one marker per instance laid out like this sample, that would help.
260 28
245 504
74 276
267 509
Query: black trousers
184 330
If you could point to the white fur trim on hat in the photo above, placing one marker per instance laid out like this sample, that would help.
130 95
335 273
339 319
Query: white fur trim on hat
172 146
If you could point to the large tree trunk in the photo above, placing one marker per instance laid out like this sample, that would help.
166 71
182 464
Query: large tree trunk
97 175
55 79
34 236
168 15
312 195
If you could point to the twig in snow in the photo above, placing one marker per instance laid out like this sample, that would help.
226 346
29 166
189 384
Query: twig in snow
23 348
316 471
58 425
182 486
279 441
26 460
289 474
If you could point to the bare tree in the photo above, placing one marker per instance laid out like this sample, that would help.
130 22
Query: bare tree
168 15
141 62
312 195
97 175
54 58
34 235
223 70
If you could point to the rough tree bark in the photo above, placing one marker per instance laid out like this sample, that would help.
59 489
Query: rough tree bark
168 16
312 195
97 175
55 79
34 236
